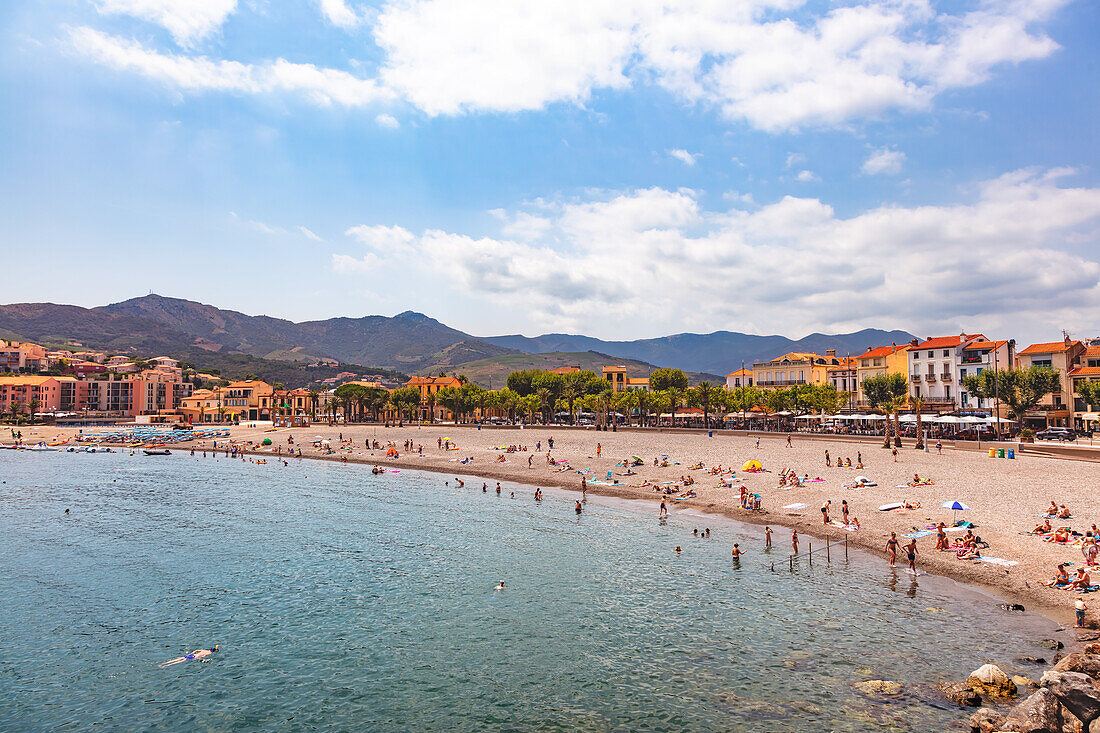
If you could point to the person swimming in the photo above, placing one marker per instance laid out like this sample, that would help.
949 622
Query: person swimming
197 654
500 586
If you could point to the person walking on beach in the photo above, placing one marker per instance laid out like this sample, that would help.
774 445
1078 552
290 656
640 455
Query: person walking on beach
894 451
757 442
859 458
664 510
939 447
828 461
529 458
1079 608
844 510
892 549
789 441
825 511
599 449
911 552
794 540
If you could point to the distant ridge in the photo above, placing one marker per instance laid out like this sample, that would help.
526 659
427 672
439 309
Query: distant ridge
719 352
409 342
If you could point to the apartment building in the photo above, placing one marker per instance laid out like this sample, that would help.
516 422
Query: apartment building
1056 408
795 368
937 366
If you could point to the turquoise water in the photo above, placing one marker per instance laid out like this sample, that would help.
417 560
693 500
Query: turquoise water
346 601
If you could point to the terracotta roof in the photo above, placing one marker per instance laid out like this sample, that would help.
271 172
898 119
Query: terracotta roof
882 351
983 344
25 381
845 363
1092 351
740 373
1085 372
249 383
1049 348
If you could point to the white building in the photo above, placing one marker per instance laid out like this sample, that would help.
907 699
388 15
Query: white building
937 366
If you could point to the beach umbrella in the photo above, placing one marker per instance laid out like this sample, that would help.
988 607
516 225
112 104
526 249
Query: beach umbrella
955 506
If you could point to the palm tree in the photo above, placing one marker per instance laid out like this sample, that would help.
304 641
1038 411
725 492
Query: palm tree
917 403
32 406
702 395
314 398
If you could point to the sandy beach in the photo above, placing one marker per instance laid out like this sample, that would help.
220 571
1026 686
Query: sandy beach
1005 496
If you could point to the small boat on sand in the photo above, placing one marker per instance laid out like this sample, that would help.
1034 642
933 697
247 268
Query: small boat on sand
161 452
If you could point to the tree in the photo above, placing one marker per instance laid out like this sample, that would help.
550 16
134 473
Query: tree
917 403
405 401
314 398
33 406
1089 392
1020 390
453 399
775 400
703 396
665 379
881 391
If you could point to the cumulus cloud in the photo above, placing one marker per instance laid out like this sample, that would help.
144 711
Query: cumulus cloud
794 264
382 239
749 59
884 161
683 156
805 176
753 60
338 13
388 121
187 20
199 74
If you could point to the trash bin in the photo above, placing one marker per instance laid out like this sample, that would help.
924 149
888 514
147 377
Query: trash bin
1011 453
710 433
992 453
1000 452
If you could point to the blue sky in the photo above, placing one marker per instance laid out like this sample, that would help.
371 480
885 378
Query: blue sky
619 169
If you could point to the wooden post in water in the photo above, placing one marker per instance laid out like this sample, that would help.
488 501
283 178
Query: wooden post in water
827 558
845 548
810 551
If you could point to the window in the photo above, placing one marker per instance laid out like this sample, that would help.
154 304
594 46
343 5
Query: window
962 373
931 354
947 352
1042 363
978 372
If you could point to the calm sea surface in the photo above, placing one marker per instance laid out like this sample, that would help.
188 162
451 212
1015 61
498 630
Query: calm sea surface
346 601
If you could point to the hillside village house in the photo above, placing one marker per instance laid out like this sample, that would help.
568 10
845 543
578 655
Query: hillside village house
16 356
616 377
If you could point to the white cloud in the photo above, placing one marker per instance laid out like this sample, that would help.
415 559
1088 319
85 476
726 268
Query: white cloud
187 20
348 265
683 156
338 13
199 74
884 160
795 158
750 60
388 121
998 259
382 239
805 176
310 234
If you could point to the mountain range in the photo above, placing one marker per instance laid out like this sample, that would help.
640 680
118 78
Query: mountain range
408 342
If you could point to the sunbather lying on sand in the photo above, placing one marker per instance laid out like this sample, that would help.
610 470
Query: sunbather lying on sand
1043 528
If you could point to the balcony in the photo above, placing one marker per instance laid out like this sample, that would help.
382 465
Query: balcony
930 377
914 377
781 383
946 377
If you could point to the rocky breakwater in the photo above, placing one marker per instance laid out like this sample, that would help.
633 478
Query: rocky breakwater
1065 700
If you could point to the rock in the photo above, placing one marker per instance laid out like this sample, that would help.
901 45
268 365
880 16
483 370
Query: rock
1092 649
1077 692
1083 635
986 720
1020 681
1032 660
1011 607
879 688
1077 662
960 694
1039 713
990 680
1051 644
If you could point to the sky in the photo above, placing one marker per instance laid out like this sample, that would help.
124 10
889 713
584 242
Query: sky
623 169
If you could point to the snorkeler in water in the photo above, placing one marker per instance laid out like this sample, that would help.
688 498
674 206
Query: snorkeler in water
197 654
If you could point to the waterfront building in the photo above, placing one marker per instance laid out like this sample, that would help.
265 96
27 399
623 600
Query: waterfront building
616 377
794 369
937 366
1056 408
740 378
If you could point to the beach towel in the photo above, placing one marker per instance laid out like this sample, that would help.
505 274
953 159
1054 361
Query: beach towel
796 507
918 534
998 561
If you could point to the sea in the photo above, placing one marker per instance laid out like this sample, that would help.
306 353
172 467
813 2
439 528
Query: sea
342 600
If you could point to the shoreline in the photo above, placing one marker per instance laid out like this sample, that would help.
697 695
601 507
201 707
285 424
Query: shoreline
1005 495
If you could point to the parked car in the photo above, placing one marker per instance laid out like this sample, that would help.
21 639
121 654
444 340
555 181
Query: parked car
1062 434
